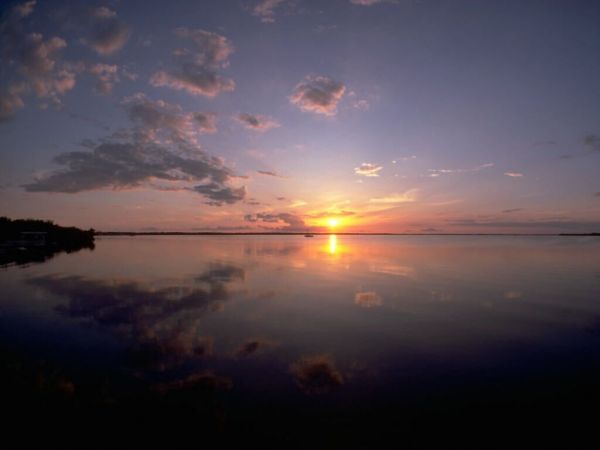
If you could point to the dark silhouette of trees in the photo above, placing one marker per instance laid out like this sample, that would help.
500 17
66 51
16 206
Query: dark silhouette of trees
24 241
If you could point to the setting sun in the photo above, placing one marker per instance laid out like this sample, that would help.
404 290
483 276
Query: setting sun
332 223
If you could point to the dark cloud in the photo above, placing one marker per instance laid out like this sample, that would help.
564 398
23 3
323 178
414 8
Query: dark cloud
256 122
269 173
288 221
591 145
32 63
318 94
316 374
125 165
506 211
219 194
197 72
592 142
107 32
161 146
207 122
597 194
198 381
252 347
152 117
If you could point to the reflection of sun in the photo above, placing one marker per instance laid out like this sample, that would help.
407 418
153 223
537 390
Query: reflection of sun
332 223
332 244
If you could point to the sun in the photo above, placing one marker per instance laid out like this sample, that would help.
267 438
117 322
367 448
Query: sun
332 223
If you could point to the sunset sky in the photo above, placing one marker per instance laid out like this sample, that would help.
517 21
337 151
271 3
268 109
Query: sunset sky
349 115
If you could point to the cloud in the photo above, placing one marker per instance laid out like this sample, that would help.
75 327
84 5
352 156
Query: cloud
405 197
404 158
265 10
151 117
220 194
368 170
252 347
197 71
160 146
286 221
513 295
159 323
318 94
32 63
597 194
553 226
106 77
592 142
108 33
316 374
269 173
256 122
342 213
367 299
365 2
512 210
438 172
513 174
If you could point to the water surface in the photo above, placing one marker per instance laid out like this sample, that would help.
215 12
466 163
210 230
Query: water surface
346 339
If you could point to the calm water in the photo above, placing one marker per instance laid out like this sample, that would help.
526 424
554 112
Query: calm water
286 339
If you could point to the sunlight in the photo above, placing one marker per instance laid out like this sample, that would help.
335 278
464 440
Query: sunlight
332 244
332 223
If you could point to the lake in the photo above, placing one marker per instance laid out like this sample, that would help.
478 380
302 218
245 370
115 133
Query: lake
335 341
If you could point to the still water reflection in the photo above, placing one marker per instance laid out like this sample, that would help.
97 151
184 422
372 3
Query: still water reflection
348 338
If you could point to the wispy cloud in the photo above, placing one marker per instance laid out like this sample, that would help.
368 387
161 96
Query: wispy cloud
368 170
404 158
106 77
265 10
438 172
365 2
512 210
318 94
405 197
197 73
513 174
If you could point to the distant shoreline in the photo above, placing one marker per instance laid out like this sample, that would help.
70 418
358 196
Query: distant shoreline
290 233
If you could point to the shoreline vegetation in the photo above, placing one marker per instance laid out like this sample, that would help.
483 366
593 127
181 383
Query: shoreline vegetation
25 241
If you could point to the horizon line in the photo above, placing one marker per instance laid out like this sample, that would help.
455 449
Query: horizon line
319 233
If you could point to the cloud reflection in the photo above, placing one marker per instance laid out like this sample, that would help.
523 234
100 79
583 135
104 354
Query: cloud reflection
316 374
367 299
160 325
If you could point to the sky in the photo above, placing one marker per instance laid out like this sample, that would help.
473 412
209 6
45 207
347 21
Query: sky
419 116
